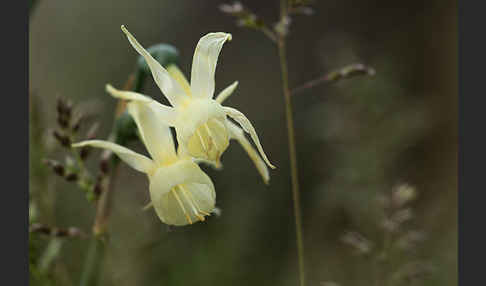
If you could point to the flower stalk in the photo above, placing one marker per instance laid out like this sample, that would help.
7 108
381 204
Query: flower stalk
292 149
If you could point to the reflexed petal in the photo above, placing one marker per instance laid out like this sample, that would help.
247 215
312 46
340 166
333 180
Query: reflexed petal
223 95
238 134
164 113
155 134
182 193
204 63
246 125
177 74
134 160
169 87
127 95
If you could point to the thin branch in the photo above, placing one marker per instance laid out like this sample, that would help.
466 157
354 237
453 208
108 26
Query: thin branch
56 231
103 206
335 76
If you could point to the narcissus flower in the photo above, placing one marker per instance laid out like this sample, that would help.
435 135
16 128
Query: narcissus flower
202 127
181 193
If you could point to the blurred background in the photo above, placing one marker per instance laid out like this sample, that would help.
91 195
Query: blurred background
357 140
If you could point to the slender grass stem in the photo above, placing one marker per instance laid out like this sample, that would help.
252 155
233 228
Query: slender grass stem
293 157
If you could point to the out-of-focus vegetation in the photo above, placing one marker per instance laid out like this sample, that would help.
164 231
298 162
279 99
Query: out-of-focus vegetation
357 140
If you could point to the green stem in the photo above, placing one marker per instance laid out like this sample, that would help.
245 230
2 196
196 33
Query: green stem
91 270
97 249
96 252
293 158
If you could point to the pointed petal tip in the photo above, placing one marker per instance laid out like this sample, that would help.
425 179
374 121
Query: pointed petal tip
122 27
109 88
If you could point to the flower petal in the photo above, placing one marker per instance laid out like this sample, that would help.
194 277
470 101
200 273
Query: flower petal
186 204
155 134
165 113
223 95
204 63
182 193
246 125
127 95
169 87
238 134
134 160
179 76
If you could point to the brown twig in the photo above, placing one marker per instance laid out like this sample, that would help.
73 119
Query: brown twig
103 205
56 231
334 76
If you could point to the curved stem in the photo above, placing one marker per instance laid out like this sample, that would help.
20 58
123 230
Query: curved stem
293 157
103 206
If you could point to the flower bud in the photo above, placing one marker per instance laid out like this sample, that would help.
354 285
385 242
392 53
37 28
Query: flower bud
125 129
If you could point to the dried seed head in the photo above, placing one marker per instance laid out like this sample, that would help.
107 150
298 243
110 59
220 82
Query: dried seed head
97 189
389 225
54 231
410 240
358 241
104 168
57 167
93 130
77 123
403 194
232 9
84 153
72 177
62 139
63 121
402 216
73 231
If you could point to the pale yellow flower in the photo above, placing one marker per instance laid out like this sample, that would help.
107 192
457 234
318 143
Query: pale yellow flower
202 127
180 192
